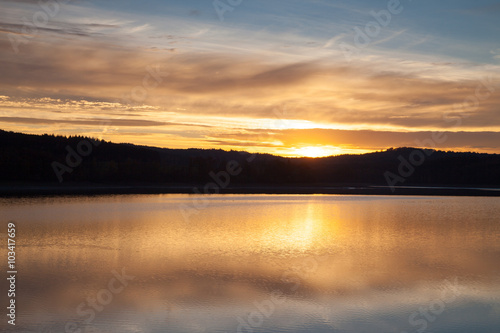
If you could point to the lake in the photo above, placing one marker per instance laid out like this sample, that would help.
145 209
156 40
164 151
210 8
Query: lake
254 263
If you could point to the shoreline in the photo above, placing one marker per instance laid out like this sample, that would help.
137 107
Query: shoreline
93 189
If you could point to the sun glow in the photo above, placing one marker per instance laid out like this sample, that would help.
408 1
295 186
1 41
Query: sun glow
317 151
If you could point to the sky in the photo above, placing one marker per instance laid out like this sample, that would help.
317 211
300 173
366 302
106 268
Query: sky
292 78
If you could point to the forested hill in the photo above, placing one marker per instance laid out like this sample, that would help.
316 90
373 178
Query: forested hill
45 159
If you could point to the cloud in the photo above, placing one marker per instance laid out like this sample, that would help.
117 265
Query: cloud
221 84
64 29
194 12
388 38
332 41
91 122
362 140
496 53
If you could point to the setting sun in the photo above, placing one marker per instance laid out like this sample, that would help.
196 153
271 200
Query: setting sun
313 151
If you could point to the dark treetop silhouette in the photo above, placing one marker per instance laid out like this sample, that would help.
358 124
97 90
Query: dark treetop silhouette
42 159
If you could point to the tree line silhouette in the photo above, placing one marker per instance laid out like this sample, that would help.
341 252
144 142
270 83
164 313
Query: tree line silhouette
38 159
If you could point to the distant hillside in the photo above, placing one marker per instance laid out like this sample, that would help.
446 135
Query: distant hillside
50 159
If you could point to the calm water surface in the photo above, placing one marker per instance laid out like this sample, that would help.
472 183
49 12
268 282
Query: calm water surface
255 263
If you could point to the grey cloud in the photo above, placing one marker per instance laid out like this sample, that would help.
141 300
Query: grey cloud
101 122
56 28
